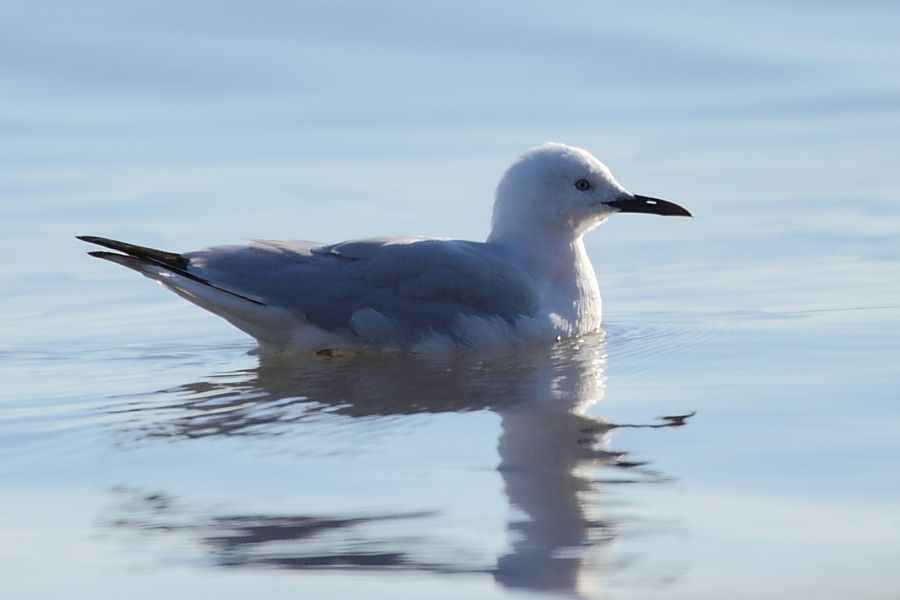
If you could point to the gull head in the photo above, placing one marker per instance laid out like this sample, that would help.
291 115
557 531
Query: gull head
565 190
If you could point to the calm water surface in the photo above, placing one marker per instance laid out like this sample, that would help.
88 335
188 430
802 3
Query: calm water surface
735 431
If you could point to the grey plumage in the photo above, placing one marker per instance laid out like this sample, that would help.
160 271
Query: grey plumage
421 286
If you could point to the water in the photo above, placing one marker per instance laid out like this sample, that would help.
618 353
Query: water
147 452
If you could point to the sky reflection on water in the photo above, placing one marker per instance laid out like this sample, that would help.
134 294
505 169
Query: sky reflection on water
554 458
144 448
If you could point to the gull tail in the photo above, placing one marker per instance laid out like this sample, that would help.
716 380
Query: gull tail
251 315
153 263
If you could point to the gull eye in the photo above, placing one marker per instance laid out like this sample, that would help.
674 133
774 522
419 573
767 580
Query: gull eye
582 185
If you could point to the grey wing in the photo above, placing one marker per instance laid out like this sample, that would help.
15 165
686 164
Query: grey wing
420 284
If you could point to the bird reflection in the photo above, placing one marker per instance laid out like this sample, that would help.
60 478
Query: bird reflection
552 453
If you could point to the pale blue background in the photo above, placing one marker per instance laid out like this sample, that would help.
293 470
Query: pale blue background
773 313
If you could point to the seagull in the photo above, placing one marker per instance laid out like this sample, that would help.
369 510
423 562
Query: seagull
530 280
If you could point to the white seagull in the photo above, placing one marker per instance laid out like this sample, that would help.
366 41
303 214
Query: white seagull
530 280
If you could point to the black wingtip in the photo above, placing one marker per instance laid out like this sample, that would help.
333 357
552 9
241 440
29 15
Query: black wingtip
105 255
132 254
94 239
160 256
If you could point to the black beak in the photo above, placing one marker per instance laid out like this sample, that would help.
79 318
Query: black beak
653 206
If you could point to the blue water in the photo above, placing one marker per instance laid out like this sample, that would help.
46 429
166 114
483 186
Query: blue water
147 452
